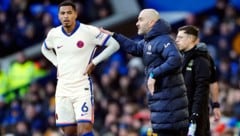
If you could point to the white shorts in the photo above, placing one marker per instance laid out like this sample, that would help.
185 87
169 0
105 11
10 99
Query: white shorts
74 109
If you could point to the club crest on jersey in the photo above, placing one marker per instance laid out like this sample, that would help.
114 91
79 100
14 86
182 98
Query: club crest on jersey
80 44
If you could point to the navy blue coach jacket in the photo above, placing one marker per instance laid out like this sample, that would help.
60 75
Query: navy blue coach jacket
168 104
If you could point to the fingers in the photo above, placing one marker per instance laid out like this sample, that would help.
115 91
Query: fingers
89 69
217 117
150 84
151 88
86 71
105 31
217 114
102 30
152 92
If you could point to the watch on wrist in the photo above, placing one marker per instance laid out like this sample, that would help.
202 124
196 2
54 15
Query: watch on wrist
215 105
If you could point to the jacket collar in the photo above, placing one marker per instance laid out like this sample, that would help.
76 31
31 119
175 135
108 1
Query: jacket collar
161 27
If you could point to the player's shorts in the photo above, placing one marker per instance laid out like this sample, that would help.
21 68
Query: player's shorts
74 109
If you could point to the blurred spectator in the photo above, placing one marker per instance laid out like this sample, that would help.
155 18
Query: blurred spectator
236 37
13 116
3 83
99 9
27 22
34 118
20 74
3 109
209 35
22 129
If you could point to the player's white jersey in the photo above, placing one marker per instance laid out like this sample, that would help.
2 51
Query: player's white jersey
74 52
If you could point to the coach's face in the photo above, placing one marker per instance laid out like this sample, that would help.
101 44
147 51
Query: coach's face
67 16
144 23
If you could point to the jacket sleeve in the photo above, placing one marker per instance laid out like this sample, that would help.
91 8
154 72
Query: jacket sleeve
172 59
128 45
202 76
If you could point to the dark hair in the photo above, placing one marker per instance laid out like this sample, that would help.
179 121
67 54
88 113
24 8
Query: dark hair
67 3
189 29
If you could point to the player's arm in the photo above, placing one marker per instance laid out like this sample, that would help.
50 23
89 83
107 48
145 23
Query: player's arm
111 47
47 49
49 54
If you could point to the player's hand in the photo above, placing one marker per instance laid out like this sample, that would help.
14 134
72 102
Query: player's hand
217 114
106 31
150 84
89 69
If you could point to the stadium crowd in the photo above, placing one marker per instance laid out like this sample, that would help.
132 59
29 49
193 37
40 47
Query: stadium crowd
27 22
27 107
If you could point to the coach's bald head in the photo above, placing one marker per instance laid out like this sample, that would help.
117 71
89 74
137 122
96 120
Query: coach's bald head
151 14
146 19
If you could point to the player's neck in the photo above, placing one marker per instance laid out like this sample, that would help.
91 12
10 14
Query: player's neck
69 29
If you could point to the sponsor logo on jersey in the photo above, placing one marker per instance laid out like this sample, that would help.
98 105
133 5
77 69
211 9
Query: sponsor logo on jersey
58 47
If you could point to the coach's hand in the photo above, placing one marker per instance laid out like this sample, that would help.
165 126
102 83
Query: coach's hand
89 69
106 31
150 84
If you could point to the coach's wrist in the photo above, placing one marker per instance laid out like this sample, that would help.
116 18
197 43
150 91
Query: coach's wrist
151 75
111 33
114 34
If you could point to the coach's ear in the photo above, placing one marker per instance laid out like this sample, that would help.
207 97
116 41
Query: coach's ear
89 69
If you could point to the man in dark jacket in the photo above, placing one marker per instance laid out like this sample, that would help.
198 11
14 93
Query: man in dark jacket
197 74
167 98
214 87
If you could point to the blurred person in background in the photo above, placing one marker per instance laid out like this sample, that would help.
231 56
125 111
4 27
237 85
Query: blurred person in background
199 72
22 129
13 115
20 74
167 98
70 48
3 84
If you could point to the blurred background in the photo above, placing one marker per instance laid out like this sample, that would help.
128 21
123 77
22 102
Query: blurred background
27 79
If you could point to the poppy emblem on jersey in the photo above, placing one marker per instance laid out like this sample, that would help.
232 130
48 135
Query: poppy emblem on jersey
80 44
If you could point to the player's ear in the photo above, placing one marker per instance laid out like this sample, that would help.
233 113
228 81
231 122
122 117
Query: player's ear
75 14
59 16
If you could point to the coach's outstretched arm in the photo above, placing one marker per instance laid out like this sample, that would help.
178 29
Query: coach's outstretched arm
112 47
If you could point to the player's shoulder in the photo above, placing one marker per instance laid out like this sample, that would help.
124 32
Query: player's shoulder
54 31
89 27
